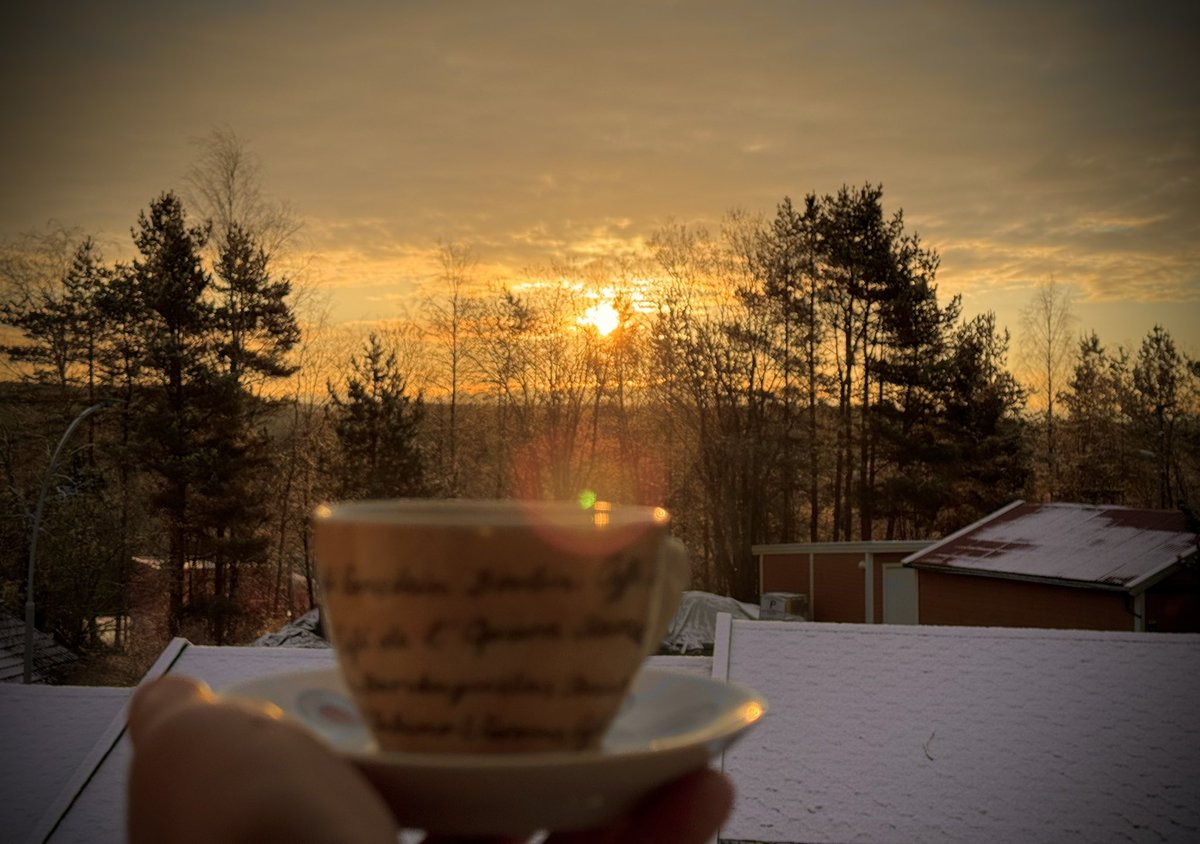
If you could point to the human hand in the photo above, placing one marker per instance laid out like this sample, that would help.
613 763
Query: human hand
206 770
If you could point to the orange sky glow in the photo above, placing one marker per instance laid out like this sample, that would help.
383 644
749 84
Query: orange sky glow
1023 141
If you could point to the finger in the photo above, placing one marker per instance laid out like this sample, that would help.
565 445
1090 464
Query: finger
208 770
691 811
688 811
160 699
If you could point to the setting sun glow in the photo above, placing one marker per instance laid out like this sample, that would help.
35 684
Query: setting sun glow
603 317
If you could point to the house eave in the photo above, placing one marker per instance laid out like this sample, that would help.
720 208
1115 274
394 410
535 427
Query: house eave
875 546
1028 578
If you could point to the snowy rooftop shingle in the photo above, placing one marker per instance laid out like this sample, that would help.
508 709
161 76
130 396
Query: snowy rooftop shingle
96 813
48 732
48 660
91 810
1117 547
874 733
942 734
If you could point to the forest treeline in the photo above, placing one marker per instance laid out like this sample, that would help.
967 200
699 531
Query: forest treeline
786 379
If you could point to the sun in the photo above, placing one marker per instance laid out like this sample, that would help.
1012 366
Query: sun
603 317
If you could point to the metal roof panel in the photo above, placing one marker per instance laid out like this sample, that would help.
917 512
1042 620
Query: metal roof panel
1079 543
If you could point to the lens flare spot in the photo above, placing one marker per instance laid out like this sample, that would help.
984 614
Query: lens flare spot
752 711
587 499
601 513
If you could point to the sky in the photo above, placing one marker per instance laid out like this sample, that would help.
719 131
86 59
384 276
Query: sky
1023 141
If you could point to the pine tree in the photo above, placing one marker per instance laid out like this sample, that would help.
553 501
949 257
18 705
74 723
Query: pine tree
254 329
254 322
55 303
1159 374
57 316
1095 453
377 426
178 360
787 260
988 460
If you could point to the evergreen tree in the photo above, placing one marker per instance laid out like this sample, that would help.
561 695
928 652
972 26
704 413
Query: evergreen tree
912 485
871 270
787 261
377 426
55 311
856 318
179 362
254 330
1154 404
1096 455
254 322
987 454
55 302
122 317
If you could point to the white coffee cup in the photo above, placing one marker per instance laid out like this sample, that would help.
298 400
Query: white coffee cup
494 626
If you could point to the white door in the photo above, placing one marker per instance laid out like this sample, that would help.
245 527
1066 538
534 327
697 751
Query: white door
899 595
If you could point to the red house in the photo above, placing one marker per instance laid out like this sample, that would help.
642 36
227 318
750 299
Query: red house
1067 566
1078 566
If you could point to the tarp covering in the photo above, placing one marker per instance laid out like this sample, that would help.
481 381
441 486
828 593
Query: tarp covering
298 633
694 626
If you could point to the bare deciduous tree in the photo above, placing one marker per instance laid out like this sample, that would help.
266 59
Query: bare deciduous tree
446 313
225 187
1048 340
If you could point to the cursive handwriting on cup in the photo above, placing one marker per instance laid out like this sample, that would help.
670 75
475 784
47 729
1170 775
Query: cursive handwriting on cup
493 626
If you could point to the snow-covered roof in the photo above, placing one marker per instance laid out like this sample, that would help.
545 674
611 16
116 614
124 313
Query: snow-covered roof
941 734
90 809
95 811
49 732
1092 545
874 733
49 657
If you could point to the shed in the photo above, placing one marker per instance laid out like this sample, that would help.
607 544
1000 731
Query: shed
863 582
1059 565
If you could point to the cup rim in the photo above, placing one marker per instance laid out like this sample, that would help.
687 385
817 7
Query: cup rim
491 512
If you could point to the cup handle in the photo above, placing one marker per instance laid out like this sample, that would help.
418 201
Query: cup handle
673 576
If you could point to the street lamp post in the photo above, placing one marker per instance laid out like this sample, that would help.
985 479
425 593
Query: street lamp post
37 523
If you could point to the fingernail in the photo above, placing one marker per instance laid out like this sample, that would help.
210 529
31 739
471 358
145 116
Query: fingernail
155 699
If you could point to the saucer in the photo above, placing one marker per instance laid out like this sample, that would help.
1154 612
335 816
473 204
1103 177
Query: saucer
670 724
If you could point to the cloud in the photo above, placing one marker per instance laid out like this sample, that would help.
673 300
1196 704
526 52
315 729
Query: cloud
1021 139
